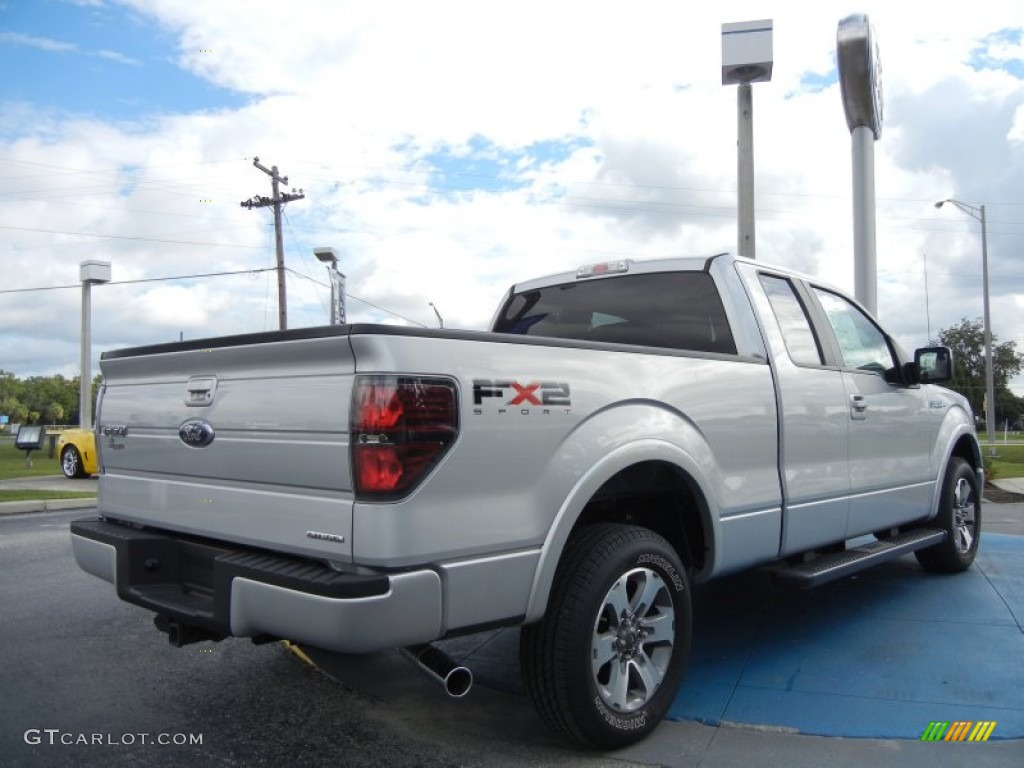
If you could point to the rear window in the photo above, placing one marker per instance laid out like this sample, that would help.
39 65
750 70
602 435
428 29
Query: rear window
675 310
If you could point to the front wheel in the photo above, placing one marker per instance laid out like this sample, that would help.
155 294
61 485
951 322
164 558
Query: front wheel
604 664
71 462
960 517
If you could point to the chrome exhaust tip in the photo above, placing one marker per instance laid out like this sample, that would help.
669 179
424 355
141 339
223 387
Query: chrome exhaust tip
437 665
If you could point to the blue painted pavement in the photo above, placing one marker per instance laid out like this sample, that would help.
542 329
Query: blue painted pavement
878 655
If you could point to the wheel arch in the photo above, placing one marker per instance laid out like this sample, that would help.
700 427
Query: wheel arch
968 449
633 484
962 444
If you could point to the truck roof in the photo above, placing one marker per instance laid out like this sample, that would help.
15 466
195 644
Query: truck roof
696 263
630 266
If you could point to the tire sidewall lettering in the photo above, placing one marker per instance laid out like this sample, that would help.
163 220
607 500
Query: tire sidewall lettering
635 722
632 722
651 558
557 653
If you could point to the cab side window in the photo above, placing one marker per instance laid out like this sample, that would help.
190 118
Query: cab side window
801 342
861 343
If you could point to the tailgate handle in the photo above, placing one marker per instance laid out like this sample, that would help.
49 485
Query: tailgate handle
200 390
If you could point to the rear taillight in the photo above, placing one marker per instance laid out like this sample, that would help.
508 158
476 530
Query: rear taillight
401 427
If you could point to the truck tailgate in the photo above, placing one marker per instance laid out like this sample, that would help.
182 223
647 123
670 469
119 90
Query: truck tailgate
246 441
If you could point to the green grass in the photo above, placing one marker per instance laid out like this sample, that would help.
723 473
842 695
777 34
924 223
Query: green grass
12 462
1009 463
27 495
1011 436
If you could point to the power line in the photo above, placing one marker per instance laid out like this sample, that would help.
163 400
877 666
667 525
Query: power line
361 301
302 254
431 174
141 280
109 178
213 274
122 209
128 237
66 169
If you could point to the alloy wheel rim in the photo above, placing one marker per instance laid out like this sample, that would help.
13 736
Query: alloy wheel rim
632 641
964 521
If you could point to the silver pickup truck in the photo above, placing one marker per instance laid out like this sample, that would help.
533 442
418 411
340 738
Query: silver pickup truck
622 433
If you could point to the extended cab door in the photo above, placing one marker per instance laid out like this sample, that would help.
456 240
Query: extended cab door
813 418
890 440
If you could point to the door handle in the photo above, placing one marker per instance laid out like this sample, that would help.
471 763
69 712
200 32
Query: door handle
858 407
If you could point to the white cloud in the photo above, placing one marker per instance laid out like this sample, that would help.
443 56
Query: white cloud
59 46
352 101
120 58
32 41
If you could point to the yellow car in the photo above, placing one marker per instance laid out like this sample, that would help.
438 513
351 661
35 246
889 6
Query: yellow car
76 449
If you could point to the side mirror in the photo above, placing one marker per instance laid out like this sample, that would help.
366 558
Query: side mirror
934 364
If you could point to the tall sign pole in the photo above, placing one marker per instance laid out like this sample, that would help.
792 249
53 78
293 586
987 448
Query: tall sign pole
746 59
745 170
860 80
90 273
277 202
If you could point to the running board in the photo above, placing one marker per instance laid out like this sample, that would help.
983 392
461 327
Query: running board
828 567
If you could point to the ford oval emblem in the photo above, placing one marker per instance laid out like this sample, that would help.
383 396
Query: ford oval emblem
196 433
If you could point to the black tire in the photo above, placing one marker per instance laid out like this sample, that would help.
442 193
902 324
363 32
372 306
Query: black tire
71 463
960 517
603 666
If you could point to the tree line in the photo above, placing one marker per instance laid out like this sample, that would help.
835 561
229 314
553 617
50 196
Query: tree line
41 399
967 342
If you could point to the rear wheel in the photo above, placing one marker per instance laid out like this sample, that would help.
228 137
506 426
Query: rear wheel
960 517
71 462
603 665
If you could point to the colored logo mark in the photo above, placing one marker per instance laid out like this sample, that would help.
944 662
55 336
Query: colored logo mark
958 730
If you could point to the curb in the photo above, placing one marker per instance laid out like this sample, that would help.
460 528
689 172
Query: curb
1010 484
45 505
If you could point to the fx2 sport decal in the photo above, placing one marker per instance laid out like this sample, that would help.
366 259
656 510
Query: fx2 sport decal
545 396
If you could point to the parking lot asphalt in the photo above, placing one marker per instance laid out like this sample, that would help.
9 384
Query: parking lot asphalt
878 656
855 671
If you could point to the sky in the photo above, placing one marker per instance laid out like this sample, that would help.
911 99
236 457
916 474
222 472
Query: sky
447 150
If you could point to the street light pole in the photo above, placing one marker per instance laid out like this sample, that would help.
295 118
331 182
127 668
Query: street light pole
329 259
440 320
978 213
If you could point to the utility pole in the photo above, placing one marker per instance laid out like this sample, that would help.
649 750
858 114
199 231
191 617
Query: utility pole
277 201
